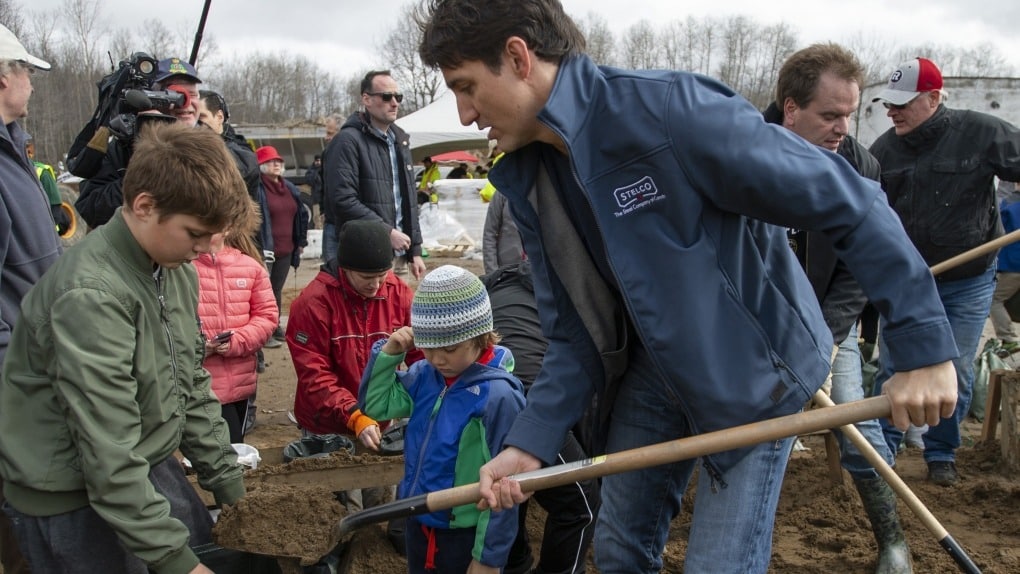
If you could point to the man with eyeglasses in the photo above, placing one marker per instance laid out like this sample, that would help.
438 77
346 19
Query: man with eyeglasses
938 168
368 174
28 240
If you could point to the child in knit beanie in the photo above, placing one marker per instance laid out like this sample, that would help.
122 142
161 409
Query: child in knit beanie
461 401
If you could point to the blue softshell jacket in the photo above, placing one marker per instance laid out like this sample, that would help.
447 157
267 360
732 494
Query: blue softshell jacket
691 191
452 431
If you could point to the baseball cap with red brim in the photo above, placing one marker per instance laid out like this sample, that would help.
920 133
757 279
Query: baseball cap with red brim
910 79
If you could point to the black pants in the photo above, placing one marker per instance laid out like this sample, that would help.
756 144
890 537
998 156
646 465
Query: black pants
278 272
569 525
235 414
80 542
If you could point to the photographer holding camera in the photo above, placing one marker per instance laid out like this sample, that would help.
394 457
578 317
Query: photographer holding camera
101 193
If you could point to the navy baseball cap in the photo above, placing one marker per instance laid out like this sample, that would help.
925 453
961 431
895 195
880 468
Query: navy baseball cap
171 67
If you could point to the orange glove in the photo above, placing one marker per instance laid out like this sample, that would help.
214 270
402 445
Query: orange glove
358 422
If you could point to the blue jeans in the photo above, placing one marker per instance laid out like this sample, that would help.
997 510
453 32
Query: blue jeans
847 386
732 526
967 303
330 242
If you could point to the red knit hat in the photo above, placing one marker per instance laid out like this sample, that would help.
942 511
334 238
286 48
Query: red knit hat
267 153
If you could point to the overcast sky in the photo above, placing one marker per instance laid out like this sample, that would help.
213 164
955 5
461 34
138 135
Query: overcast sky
341 35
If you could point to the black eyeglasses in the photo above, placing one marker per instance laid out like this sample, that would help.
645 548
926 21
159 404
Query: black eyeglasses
388 96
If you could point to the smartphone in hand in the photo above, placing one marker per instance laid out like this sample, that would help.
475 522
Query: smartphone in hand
223 337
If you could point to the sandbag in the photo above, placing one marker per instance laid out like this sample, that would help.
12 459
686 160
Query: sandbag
990 359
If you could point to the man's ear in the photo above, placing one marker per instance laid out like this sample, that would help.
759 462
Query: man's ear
518 56
790 108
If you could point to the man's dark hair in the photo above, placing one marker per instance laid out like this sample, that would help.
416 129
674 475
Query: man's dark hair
215 102
366 82
457 31
799 76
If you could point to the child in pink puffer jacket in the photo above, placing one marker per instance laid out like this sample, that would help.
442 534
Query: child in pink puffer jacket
238 314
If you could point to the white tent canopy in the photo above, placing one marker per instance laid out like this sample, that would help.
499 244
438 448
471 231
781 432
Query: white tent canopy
436 129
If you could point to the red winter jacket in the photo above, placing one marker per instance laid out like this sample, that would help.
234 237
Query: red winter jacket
330 332
234 294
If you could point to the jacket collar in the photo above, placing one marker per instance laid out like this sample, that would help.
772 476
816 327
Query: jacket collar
124 245
575 94
929 131
360 121
577 90
332 275
14 136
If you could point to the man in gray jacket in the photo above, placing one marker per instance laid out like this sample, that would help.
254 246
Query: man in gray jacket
28 237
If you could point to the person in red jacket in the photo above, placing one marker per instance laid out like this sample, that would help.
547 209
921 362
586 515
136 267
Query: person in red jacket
354 301
238 313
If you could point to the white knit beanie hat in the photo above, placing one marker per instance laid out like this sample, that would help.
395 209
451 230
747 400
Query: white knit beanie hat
451 306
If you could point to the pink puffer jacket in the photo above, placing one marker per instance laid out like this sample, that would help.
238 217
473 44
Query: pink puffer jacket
234 294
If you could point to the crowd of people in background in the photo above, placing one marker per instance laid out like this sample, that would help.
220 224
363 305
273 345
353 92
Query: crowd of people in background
597 237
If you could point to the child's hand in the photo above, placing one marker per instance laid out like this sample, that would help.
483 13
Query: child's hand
477 567
213 346
401 341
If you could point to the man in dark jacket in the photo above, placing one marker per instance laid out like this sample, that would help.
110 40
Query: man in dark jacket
938 171
214 113
817 93
610 173
368 173
101 194
313 178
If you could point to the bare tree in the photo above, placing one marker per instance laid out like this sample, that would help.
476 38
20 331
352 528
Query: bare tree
83 19
159 41
11 16
419 83
688 44
278 88
873 53
639 48
752 56
599 39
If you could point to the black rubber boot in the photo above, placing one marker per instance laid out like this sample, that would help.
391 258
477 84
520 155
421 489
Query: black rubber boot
880 505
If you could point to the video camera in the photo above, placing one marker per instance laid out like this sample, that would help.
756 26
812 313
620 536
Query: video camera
123 94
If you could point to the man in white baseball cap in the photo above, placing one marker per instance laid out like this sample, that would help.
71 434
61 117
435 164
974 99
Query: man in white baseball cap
910 80
11 49
28 239
938 171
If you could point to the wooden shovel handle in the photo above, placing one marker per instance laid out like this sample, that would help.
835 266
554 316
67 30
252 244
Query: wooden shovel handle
984 248
676 450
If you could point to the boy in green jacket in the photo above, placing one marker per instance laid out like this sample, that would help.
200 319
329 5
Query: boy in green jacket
103 379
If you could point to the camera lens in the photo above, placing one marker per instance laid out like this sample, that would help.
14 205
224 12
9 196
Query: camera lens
145 66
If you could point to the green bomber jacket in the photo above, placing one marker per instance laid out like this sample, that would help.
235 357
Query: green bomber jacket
102 380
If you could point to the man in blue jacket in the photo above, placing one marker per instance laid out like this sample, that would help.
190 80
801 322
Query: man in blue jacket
649 204
28 239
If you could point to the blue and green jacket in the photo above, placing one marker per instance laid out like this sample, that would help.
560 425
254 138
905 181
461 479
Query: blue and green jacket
453 430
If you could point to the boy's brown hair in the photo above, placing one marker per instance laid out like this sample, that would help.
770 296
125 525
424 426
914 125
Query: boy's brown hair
187 171
482 342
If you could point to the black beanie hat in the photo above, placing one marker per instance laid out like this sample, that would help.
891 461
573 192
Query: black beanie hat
364 246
